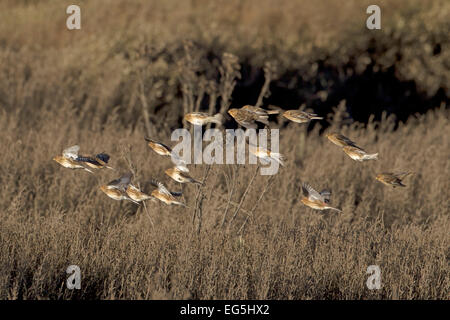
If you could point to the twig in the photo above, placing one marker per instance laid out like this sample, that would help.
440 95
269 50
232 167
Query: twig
256 204
244 195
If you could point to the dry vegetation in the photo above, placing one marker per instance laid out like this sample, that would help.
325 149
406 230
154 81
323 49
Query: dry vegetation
129 72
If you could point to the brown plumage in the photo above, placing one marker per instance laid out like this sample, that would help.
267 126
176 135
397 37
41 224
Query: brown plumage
300 116
392 179
316 200
340 140
165 195
136 194
201 118
248 118
359 154
69 159
116 189
159 147
180 176
259 111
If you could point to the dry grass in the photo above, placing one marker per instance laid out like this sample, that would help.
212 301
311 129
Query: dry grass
59 88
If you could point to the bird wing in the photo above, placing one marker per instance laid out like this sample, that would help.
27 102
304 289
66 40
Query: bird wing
326 194
156 142
346 140
312 194
256 110
121 183
161 187
71 152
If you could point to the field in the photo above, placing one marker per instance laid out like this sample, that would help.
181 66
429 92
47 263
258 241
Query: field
134 70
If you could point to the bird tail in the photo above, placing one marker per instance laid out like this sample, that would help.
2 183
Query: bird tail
197 182
371 156
217 119
317 118
336 209
278 157
88 170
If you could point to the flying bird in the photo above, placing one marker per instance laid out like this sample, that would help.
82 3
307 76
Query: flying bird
180 176
300 116
165 150
392 179
165 195
99 161
247 118
340 140
136 194
316 200
117 189
202 118
266 154
359 154
69 159
259 111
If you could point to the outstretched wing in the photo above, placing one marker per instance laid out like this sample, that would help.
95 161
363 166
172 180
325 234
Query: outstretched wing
121 183
161 187
71 152
346 140
312 194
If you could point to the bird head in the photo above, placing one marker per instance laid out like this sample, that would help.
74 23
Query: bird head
233 112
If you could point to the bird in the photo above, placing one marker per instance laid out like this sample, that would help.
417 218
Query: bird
159 147
266 154
137 195
99 161
247 118
392 179
300 116
116 189
69 159
316 200
165 150
340 140
359 154
259 111
202 118
164 195
182 177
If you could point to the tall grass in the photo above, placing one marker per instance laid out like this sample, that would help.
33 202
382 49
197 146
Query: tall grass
133 70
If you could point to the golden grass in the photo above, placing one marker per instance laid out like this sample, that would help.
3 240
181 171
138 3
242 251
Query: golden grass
59 88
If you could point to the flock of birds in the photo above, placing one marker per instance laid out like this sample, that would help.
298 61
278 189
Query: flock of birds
247 116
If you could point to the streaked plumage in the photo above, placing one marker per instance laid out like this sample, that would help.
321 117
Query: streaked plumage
359 154
340 140
248 118
202 118
392 179
165 195
300 116
259 111
316 200
180 176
